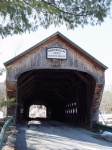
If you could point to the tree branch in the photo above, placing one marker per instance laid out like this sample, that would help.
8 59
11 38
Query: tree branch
65 12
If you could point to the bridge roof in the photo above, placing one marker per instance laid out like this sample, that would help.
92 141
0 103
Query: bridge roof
64 39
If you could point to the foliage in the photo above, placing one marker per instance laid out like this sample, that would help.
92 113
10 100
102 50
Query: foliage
8 102
18 16
3 101
1 71
9 68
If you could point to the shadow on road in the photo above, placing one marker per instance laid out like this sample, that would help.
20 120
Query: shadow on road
55 135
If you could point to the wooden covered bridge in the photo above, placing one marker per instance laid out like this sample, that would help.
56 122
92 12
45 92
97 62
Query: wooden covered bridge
60 75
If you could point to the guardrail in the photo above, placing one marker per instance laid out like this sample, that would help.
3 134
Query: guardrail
4 129
98 125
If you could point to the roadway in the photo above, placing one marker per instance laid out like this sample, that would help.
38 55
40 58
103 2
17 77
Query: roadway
52 135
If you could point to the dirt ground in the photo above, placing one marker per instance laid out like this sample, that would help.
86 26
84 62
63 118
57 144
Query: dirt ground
9 141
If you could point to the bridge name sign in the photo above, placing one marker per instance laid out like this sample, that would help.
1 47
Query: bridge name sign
56 53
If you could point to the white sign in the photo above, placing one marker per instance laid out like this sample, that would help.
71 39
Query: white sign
56 53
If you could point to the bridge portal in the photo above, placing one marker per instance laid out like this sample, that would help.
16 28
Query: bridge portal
60 75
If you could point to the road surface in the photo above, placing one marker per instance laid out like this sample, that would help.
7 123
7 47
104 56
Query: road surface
52 135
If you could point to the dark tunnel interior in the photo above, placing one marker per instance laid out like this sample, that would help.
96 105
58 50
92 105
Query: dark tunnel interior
66 94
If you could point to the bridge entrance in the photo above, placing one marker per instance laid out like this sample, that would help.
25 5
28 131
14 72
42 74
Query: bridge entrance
61 76
37 111
66 94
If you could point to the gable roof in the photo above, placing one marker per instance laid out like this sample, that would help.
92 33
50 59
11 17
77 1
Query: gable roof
63 38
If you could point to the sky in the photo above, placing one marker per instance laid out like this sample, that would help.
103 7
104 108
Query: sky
96 40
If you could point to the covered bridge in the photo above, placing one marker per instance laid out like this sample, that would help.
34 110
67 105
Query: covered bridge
60 75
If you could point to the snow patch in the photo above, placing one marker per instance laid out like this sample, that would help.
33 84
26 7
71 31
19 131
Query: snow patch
107 136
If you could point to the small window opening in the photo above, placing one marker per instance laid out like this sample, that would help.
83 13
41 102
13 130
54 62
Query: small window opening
37 111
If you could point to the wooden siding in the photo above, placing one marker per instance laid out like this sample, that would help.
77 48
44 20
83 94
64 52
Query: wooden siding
76 60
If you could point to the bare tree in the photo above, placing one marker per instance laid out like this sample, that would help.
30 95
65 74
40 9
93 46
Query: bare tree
2 90
106 104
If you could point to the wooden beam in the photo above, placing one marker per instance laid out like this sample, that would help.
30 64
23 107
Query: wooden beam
59 94
24 77
82 78
23 84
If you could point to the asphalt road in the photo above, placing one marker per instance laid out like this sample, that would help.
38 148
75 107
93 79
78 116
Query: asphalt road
52 135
